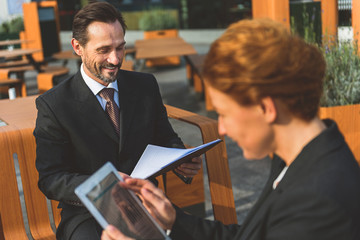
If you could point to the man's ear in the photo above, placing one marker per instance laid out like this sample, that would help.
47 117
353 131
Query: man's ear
76 46
269 107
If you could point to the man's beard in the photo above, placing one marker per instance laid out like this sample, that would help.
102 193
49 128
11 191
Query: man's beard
100 76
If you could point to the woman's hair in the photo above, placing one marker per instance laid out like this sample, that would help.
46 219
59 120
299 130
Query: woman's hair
259 58
94 12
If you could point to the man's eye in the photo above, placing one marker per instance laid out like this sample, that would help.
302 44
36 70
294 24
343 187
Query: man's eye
102 51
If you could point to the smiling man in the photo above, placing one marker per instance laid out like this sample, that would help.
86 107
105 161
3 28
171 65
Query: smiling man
100 114
103 54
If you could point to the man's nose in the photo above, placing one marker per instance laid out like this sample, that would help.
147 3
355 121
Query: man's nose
113 58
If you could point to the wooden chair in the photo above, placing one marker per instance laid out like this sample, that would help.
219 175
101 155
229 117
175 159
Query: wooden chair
17 138
217 167
10 206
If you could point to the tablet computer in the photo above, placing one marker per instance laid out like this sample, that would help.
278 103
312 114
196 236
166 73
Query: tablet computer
109 203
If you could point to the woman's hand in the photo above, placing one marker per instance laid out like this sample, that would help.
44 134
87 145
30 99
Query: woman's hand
154 201
112 233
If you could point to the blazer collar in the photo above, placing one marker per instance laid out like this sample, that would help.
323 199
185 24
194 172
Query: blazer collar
89 106
252 218
321 145
127 100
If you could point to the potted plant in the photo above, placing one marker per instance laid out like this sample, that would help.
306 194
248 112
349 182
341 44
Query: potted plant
160 23
341 96
11 29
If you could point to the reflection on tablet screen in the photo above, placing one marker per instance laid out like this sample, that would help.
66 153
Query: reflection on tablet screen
120 209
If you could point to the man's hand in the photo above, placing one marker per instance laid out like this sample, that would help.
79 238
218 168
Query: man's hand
190 169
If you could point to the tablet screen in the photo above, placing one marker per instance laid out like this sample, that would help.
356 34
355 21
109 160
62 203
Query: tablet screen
120 207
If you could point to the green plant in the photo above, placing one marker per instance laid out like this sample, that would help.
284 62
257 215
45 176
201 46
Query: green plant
342 77
15 25
305 21
157 19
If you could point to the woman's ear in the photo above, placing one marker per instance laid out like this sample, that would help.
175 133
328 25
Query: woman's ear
269 108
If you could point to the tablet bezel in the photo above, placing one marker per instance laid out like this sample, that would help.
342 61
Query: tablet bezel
93 181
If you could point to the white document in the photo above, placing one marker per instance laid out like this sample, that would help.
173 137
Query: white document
156 160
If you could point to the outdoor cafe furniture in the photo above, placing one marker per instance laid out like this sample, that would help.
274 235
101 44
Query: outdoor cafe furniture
18 67
46 74
12 42
162 47
6 55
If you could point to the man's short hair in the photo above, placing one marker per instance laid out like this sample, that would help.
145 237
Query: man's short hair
94 12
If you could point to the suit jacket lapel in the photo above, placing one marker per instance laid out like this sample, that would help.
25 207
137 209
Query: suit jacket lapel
127 102
252 219
89 106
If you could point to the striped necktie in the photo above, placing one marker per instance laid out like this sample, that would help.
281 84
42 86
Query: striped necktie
111 108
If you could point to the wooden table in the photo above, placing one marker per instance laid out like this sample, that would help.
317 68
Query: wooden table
17 52
18 114
8 54
67 55
163 47
148 49
13 42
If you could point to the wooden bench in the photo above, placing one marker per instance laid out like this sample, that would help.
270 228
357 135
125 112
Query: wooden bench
45 79
194 67
17 138
17 63
6 84
18 71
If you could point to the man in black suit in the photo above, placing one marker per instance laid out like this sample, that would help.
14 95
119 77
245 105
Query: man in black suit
266 86
74 133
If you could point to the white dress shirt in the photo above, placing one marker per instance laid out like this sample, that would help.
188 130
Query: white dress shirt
96 87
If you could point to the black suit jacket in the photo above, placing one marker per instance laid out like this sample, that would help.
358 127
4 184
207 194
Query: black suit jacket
318 198
75 137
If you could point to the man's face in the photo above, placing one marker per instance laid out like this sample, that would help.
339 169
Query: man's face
104 52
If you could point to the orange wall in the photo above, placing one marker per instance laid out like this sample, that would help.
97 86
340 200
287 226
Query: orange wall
32 26
329 17
274 9
279 11
356 21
